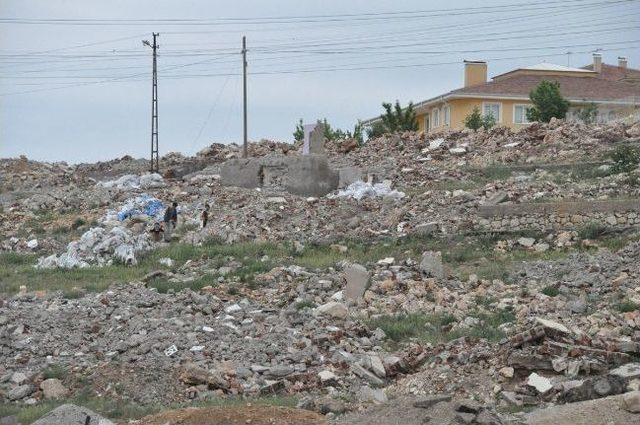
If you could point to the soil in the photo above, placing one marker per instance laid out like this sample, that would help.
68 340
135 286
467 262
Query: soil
236 415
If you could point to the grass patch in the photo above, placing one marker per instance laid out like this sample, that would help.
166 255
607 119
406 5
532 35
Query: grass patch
120 409
304 304
435 329
550 291
56 371
627 306
592 231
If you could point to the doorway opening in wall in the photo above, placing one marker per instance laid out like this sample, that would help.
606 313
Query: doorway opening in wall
426 123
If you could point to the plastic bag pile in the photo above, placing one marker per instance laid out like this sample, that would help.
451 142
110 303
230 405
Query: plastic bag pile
100 247
140 206
132 181
360 189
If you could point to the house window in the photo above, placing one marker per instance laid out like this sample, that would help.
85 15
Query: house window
446 112
427 127
492 109
520 114
435 122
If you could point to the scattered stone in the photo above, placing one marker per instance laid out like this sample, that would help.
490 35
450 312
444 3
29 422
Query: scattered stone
334 309
540 383
53 388
631 401
426 403
357 278
431 264
70 414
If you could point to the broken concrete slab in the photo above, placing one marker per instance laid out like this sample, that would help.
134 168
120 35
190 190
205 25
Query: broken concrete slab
357 279
70 414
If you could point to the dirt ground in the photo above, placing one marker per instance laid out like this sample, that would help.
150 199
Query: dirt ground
237 415
602 411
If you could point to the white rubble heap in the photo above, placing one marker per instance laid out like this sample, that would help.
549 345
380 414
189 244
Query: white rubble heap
100 247
360 189
132 181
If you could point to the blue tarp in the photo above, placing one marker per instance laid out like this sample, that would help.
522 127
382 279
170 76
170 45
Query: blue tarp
141 205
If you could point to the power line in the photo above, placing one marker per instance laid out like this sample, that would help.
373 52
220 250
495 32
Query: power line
519 7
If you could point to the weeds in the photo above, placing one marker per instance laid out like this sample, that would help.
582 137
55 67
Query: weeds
550 291
627 306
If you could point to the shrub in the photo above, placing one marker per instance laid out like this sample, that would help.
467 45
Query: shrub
547 102
627 306
376 129
592 231
474 119
550 291
625 158
298 133
588 114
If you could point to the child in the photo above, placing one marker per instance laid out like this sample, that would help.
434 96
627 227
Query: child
205 215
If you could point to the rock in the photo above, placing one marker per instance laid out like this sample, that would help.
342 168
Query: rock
427 229
326 376
18 378
467 406
465 418
233 308
279 371
496 198
628 371
333 309
552 326
377 367
526 242
578 305
357 278
458 151
631 401
70 414
330 405
431 264
20 392
369 395
53 388
365 374
425 403
540 383
506 372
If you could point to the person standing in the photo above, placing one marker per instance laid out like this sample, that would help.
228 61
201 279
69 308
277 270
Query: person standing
205 216
170 221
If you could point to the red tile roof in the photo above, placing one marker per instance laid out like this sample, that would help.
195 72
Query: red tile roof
616 73
573 88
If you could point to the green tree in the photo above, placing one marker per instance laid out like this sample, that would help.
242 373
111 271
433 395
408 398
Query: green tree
547 102
588 114
488 121
395 118
375 130
298 134
474 120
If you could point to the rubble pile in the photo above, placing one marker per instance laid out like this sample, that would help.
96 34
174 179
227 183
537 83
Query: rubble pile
470 318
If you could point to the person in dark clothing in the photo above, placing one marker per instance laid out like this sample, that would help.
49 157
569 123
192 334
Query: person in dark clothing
205 216
170 221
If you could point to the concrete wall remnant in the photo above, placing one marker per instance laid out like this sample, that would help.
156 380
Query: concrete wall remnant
308 175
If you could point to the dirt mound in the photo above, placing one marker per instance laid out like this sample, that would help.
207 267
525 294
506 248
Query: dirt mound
255 415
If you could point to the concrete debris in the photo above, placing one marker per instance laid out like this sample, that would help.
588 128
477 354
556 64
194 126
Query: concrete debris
70 414
503 276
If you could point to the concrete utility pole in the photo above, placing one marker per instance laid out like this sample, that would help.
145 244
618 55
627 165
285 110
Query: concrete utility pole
244 94
155 159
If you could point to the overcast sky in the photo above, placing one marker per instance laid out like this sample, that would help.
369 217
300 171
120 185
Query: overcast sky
75 79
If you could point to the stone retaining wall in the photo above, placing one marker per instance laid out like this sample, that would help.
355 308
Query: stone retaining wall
559 215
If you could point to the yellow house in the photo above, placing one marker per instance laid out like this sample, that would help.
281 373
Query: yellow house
506 96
